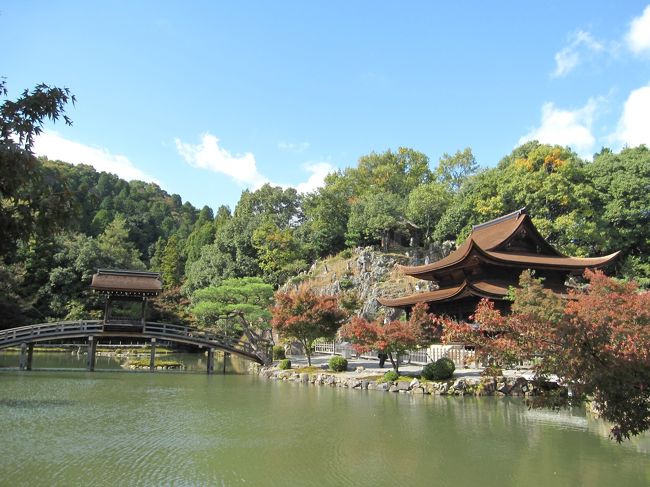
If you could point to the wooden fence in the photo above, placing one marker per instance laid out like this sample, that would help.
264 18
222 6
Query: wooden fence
461 357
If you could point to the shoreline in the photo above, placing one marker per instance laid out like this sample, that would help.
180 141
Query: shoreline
365 376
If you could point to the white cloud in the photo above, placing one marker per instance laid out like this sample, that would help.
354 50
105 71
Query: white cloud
634 125
568 58
209 155
638 37
54 146
566 127
318 172
294 147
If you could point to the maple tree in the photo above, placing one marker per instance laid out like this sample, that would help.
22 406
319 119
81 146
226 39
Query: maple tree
597 342
303 315
395 337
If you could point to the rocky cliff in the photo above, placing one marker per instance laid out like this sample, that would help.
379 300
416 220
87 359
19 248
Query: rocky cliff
362 275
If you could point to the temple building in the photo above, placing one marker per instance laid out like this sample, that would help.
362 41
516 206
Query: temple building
488 263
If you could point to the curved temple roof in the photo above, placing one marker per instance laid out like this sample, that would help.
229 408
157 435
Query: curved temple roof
127 283
490 240
484 289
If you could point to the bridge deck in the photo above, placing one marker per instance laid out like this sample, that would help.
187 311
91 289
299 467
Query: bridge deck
96 329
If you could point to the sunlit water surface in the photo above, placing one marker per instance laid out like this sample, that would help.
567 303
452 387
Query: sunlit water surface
118 428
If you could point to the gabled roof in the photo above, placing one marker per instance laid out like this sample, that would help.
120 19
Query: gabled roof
489 241
126 283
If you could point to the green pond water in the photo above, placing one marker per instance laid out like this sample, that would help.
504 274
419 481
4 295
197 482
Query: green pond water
119 428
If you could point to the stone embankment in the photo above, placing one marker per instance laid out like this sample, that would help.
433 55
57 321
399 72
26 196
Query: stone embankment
460 386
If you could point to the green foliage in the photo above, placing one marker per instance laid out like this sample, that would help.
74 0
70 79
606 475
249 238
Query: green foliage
278 352
26 205
454 170
346 283
246 298
116 243
338 364
441 369
346 254
426 205
284 364
390 376
171 266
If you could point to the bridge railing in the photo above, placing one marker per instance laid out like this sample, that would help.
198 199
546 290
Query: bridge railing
25 333
62 329
168 329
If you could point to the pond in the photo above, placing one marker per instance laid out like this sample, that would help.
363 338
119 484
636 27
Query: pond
122 428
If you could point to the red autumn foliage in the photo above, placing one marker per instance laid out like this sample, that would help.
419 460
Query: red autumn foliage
305 316
393 338
597 341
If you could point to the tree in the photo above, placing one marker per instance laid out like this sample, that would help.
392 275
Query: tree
426 205
171 265
304 316
279 253
454 170
373 217
396 337
24 205
245 300
550 181
597 342
115 243
622 182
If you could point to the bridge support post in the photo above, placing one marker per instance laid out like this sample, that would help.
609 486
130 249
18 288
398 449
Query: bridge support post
225 357
210 367
22 364
152 357
92 349
30 355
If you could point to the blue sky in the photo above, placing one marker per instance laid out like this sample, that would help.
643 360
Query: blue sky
210 98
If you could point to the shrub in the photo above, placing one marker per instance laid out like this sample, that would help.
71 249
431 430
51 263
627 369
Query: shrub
278 352
338 364
285 364
346 283
346 254
391 376
439 370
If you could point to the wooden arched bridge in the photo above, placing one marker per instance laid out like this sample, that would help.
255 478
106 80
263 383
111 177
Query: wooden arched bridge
94 330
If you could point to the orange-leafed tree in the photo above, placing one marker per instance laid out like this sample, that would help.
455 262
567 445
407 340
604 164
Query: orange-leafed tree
597 341
304 316
396 337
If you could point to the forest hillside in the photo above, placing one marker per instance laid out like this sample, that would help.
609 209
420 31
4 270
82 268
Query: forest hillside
387 208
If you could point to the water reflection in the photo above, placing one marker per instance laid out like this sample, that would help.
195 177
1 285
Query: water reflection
75 428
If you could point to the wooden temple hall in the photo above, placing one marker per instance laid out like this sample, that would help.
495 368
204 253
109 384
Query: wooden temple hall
488 263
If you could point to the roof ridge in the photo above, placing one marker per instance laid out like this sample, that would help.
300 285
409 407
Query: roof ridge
509 216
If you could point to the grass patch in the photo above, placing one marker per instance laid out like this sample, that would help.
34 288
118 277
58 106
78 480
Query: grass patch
311 370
